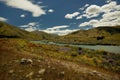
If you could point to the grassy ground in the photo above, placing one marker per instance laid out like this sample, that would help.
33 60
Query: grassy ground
50 62
99 35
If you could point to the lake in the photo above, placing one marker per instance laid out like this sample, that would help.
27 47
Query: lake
108 48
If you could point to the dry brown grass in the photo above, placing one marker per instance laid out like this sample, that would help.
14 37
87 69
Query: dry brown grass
13 50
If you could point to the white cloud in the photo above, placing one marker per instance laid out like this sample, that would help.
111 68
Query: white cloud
58 27
30 29
84 24
32 26
60 32
3 19
109 7
86 5
110 15
82 8
108 1
23 15
93 11
70 16
51 10
79 17
109 19
57 30
25 5
32 23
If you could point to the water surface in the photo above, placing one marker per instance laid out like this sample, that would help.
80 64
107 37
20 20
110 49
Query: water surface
108 48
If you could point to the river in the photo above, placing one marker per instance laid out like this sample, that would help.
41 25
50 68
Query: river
108 48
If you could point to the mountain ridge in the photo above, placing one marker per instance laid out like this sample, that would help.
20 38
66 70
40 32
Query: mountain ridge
9 31
100 35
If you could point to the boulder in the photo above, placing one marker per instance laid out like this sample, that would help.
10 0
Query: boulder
42 71
26 61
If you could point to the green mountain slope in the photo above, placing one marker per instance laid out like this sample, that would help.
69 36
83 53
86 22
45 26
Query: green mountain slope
9 31
45 36
100 35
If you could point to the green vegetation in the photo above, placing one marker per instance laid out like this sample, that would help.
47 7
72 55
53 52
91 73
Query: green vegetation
50 62
9 31
45 36
100 35
21 59
96 58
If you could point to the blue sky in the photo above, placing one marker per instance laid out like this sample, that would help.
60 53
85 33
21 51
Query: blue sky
60 16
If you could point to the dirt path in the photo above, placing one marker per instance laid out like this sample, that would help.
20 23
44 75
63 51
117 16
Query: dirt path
86 70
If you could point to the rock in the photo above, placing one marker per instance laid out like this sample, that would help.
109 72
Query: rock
30 74
29 61
11 72
23 61
94 71
42 71
26 61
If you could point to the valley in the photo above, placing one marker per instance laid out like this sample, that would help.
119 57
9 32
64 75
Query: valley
21 58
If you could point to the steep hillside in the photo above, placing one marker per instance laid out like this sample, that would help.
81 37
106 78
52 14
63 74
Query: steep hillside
9 31
100 35
45 36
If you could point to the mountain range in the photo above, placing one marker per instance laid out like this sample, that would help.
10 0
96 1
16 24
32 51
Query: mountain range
109 35
100 35
9 31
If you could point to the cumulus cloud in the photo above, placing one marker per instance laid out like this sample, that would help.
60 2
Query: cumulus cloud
108 1
32 26
22 15
30 29
60 30
108 19
82 8
51 10
3 19
58 27
86 5
25 5
109 7
93 11
70 16
79 17
90 23
110 15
